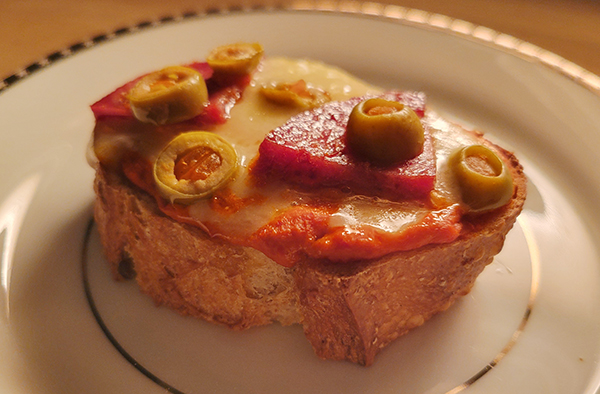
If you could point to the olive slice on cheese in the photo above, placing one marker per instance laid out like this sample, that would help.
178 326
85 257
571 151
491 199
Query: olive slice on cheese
484 180
173 94
194 165
235 59
298 94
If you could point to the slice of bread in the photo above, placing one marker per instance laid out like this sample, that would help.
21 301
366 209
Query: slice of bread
349 311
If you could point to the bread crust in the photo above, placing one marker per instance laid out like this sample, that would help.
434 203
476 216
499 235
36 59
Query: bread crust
349 311
180 266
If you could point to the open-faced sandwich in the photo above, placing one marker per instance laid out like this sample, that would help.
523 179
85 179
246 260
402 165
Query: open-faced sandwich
247 189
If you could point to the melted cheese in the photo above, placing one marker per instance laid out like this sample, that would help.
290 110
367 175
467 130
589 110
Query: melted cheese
253 117
448 138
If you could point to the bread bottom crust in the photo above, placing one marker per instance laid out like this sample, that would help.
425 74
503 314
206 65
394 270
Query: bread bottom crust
349 311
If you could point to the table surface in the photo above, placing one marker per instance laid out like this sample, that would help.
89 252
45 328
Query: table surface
32 29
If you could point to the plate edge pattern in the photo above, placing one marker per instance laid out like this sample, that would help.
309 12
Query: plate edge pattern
400 14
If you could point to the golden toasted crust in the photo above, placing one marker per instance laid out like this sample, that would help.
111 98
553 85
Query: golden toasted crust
348 311
180 266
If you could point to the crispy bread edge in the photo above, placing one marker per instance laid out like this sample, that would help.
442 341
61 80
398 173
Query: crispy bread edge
348 311
180 266
353 311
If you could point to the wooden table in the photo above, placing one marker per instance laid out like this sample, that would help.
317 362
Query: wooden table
32 29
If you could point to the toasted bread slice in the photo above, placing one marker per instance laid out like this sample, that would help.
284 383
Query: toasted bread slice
349 311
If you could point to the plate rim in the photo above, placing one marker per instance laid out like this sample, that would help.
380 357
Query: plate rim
398 14
375 14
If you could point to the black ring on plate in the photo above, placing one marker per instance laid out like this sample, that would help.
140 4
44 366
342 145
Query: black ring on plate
103 326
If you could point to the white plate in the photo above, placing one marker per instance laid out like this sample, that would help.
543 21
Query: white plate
531 324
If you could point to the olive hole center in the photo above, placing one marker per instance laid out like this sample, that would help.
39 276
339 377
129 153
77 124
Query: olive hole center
381 110
482 165
197 163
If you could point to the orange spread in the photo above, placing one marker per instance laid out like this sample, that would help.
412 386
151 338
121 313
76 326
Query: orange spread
304 231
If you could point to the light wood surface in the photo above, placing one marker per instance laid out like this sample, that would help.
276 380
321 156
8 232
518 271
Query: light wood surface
32 29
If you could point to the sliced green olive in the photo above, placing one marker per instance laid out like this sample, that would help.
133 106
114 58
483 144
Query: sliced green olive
171 95
297 94
194 165
384 132
236 59
484 180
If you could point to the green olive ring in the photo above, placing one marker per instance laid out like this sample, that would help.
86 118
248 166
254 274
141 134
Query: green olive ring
173 94
384 138
235 59
481 191
295 95
186 191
